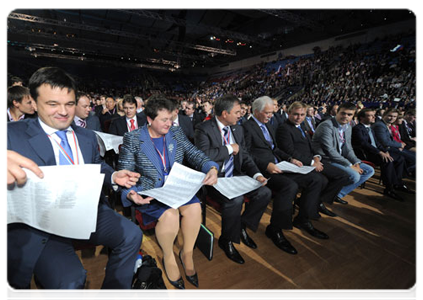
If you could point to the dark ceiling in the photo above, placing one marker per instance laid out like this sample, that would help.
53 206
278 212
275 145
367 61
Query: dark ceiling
172 39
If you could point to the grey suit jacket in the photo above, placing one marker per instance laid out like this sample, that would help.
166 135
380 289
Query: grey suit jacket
384 136
139 154
326 143
93 123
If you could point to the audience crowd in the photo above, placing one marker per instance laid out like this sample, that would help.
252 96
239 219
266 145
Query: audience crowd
344 111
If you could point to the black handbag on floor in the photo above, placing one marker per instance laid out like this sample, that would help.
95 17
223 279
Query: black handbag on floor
148 276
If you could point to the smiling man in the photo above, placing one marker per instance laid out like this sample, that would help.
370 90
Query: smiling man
53 139
130 121
332 141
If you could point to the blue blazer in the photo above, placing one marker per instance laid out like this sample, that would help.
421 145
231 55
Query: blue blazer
26 137
138 154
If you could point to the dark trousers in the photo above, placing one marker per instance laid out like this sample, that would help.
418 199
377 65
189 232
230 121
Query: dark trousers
231 211
391 172
58 266
336 179
286 186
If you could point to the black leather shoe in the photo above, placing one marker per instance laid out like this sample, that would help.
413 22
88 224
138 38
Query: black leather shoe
230 251
280 240
193 279
179 284
308 227
403 188
393 195
323 209
245 238
339 200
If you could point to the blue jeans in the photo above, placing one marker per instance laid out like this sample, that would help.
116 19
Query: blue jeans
357 178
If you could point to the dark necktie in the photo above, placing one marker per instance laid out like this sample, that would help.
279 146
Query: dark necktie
82 123
229 164
63 160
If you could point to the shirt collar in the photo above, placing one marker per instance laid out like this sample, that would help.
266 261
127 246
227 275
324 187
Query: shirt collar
257 121
221 126
50 130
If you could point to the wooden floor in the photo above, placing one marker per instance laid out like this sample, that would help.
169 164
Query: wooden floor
372 245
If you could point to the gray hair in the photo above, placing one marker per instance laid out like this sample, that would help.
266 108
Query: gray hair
261 102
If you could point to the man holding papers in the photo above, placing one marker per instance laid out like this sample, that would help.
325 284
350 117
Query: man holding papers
153 150
296 141
52 140
261 144
223 141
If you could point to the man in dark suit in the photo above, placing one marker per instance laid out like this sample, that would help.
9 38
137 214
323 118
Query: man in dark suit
367 147
193 115
276 120
410 122
184 122
384 136
108 114
130 121
51 140
83 118
19 104
221 139
296 142
261 144
309 121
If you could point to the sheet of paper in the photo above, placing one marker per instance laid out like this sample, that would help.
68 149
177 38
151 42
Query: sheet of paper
63 203
181 185
291 168
108 142
236 186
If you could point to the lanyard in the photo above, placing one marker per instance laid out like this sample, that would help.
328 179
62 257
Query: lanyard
65 154
162 157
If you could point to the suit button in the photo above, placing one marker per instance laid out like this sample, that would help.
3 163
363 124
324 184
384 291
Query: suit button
160 179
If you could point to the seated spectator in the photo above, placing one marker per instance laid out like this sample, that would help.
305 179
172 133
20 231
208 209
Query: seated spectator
384 136
119 106
262 146
222 140
410 124
46 141
294 140
140 104
193 115
207 108
331 112
184 122
16 81
332 141
83 118
108 114
100 105
151 151
130 121
243 118
19 104
367 147
276 120
404 132
310 122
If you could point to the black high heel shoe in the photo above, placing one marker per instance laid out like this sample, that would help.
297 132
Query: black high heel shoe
194 278
179 284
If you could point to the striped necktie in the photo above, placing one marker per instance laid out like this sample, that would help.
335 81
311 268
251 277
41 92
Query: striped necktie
229 164
63 160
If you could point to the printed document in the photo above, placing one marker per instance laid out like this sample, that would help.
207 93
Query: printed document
288 167
108 142
232 187
63 203
181 185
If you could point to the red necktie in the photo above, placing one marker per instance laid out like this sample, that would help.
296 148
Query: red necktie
132 125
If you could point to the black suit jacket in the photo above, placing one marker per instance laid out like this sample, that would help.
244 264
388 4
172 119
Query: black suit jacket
276 121
405 136
209 139
290 139
259 148
360 140
187 126
119 126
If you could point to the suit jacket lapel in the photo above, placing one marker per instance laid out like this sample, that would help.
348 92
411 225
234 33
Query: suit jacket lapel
149 150
216 132
171 145
38 142
259 132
